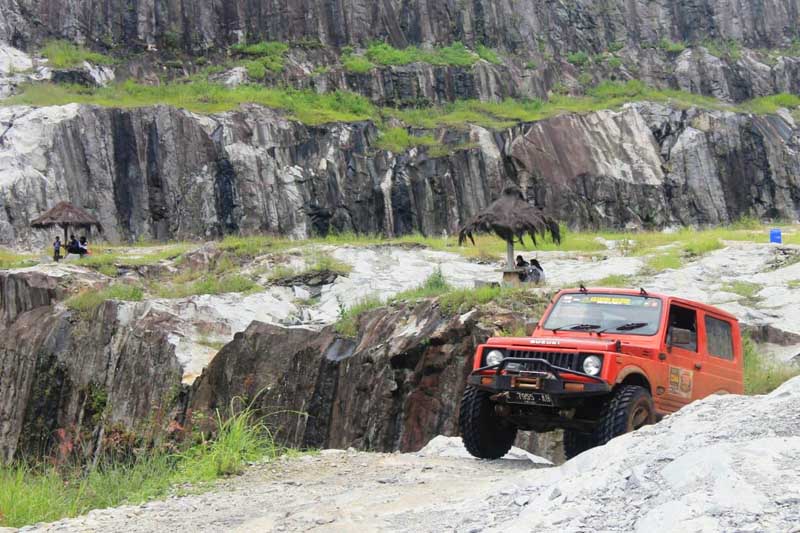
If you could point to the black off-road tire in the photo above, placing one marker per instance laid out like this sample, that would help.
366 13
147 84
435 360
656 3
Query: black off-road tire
575 443
485 434
629 408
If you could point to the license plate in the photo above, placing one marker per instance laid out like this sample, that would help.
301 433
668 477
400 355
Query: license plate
530 397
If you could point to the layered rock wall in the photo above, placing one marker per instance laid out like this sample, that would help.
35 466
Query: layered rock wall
163 173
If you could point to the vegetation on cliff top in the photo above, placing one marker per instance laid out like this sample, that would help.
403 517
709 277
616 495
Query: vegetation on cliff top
313 108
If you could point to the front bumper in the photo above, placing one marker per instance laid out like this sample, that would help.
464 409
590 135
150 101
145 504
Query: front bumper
541 388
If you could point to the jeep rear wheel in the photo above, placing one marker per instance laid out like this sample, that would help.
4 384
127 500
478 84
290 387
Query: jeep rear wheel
575 443
485 434
630 408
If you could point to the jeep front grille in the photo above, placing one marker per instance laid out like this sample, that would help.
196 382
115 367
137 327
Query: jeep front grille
570 361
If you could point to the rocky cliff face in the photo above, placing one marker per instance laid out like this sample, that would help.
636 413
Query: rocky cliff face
512 25
163 173
66 378
393 388
620 40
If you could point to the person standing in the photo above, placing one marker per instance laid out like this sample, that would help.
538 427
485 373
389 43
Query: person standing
57 249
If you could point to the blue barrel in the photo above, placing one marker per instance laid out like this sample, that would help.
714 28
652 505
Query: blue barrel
775 236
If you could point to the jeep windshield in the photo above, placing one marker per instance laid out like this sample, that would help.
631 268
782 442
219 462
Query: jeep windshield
604 312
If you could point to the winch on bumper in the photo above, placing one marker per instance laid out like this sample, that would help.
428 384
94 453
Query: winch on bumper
543 387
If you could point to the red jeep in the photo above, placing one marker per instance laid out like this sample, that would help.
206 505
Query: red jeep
600 363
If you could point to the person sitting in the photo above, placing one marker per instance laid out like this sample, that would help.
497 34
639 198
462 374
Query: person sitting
522 267
73 246
535 272
84 246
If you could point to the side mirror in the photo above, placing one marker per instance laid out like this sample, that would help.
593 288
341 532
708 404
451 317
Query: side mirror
680 336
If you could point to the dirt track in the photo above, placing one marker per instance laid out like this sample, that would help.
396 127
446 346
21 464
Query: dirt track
333 491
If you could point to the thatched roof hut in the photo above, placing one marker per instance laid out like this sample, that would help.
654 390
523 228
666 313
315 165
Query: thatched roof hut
511 217
65 215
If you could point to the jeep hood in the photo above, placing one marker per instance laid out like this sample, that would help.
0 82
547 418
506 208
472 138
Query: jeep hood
560 343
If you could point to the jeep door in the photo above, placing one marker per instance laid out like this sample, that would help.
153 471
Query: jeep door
721 369
680 357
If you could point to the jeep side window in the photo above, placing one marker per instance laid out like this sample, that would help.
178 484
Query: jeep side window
682 328
719 338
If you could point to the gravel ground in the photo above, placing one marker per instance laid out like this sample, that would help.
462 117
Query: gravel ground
333 491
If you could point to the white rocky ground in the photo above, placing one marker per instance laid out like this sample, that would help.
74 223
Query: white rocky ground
200 324
727 463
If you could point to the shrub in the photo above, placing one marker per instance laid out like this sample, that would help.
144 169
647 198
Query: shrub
761 374
399 140
578 59
671 47
43 493
487 54
64 54
614 63
357 64
268 55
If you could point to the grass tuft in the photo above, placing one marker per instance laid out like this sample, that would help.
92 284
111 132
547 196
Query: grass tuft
347 325
89 300
64 54
44 493
761 374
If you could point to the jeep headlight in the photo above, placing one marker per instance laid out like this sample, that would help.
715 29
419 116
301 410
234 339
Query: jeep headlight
592 365
495 357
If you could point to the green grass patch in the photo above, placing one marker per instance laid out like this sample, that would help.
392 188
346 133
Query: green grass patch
614 281
487 54
357 64
455 54
794 284
44 493
578 59
671 47
89 300
64 54
347 325
770 104
434 285
10 259
206 97
665 261
724 48
747 290
761 374
399 140
106 258
702 244
265 56
205 284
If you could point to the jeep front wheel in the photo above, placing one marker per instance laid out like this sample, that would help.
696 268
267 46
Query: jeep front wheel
575 443
629 408
485 434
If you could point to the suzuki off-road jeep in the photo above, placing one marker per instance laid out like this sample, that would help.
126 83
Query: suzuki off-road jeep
600 363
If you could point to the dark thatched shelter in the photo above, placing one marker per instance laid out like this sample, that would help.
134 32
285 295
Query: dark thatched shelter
511 217
66 215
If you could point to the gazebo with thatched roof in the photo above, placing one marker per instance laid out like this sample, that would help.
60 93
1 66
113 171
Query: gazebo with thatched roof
66 215
511 217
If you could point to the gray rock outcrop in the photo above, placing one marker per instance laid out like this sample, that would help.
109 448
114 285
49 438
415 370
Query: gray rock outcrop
394 387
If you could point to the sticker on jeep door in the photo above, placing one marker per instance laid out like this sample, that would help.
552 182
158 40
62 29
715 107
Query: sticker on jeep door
680 382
